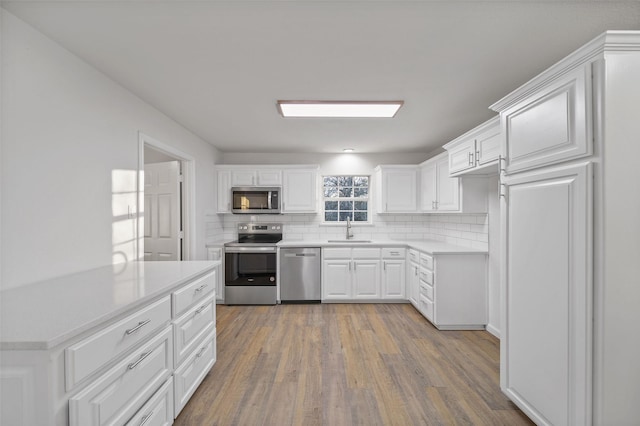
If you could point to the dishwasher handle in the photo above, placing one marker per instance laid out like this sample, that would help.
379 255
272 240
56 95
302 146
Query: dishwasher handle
300 255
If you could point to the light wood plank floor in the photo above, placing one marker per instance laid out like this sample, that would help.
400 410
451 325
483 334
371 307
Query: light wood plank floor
348 364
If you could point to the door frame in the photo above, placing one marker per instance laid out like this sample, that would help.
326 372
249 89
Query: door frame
188 199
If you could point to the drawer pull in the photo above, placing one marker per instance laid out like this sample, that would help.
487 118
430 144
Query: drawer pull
201 287
138 327
395 253
142 358
146 418
199 354
200 309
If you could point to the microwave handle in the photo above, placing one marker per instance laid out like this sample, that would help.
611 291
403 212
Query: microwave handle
269 200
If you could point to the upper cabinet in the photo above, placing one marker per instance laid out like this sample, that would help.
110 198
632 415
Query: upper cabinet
299 189
396 189
477 151
299 185
550 125
269 177
444 194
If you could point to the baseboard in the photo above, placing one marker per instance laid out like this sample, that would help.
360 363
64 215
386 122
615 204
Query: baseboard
491 329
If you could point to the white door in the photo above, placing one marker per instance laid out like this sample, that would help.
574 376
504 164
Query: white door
162 211
399 190
393 279
336 279
546 342
428 187
448 188
366 279
299 190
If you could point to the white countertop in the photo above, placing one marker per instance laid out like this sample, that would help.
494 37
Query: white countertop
44 314
427 246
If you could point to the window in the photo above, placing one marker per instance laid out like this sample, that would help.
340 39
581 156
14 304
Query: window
346 196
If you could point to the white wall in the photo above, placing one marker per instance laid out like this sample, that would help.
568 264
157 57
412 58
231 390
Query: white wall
69 161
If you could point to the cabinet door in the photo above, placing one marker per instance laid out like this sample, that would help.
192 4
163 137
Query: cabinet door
393 279
399 191
243 178
552 125
462 157
299 191
488 146
336 279
224 191
546 344
413 283
269 178
366 279
448 192
428 178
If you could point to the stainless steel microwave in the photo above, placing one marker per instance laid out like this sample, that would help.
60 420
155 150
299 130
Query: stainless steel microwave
255 200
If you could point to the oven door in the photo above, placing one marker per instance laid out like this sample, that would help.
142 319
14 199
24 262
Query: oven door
250 266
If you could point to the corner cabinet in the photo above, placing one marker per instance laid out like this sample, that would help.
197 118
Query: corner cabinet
440 193
300 190
396 188
569 266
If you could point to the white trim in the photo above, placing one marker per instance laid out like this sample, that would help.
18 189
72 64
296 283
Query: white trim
491 329
188 193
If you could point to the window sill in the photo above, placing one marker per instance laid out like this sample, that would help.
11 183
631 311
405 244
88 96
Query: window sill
344 224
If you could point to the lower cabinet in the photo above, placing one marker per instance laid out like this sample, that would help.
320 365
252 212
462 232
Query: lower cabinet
158 411
413 280
351 273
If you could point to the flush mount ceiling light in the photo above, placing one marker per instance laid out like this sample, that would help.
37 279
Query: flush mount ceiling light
348 150
339 109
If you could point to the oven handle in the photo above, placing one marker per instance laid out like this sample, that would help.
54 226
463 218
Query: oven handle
250 249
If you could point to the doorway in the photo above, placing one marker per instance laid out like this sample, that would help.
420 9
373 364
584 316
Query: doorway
165 202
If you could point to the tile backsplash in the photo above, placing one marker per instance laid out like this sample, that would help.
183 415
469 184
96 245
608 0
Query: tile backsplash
468 230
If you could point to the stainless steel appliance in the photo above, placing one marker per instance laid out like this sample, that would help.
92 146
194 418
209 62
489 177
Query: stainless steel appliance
300 275
250 265
255 200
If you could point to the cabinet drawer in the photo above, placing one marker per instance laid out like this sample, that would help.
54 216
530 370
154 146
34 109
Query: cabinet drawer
366 253
426 276
336 253
90 354
414 256
426 261
426 290
426 307
191 373
193 293
120 392
393 253
158 410
191 328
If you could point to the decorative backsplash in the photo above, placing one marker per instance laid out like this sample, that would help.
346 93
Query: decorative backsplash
462 230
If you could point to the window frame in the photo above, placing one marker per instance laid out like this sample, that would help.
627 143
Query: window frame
354 199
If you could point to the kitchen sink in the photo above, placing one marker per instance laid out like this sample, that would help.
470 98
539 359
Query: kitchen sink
349 241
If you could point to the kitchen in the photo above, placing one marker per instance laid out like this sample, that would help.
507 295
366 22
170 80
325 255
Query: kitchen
85 181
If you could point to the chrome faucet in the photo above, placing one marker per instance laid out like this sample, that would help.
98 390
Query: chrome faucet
349 233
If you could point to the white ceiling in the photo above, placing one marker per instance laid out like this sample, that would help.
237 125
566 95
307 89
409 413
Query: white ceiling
218 67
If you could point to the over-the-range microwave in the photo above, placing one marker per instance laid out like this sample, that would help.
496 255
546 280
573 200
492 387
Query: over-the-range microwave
255 200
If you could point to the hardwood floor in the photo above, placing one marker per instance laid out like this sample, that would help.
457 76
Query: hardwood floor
348 364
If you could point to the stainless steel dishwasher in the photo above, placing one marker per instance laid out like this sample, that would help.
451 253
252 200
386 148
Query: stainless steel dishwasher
300 275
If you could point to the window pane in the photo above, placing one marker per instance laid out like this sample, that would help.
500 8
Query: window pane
331 191
360 216
361 181
345 215
361 192
331 216
360 205
331 205
346 205
346 192
331 181
345 181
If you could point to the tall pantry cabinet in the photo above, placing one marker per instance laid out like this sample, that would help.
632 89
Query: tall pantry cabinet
571 232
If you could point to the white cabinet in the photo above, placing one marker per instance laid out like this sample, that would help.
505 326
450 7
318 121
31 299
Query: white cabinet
451 289
350 274
216 253
223 194
439 191
444 194
477 150
266 177
413 280
393 273
569 218
299 190
396 189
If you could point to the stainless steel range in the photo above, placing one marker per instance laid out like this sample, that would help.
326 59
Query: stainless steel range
250 265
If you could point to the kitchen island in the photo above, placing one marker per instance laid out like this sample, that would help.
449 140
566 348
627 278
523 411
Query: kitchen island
112 344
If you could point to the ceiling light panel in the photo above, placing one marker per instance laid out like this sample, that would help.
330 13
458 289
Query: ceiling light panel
339 109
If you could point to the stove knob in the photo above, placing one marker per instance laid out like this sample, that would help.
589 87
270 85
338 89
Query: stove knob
273 227
278 227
